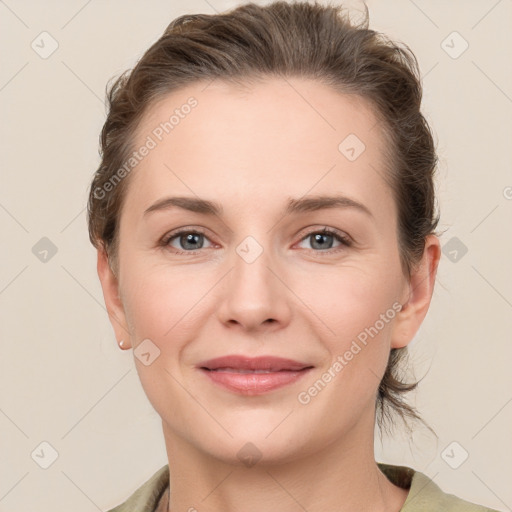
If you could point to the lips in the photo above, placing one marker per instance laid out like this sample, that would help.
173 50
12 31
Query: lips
253 376
262 364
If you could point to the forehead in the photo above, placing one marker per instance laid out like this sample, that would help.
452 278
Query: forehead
292 135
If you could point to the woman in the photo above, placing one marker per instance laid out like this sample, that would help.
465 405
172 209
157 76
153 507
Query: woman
264 215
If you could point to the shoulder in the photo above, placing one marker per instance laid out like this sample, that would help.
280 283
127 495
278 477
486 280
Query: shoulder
146 497
424 494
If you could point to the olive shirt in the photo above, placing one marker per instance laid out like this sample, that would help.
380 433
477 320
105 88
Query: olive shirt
424 495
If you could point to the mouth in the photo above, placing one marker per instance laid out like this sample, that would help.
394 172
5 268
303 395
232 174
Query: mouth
253 376
241 370
262 364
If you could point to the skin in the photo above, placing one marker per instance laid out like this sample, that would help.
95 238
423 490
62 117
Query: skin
251 150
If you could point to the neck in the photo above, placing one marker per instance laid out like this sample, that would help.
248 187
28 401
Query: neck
342 476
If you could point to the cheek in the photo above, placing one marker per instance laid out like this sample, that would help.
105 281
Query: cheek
159 302
349 299
166 304
358 305
162 305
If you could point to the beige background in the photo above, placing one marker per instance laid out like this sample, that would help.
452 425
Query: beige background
62 378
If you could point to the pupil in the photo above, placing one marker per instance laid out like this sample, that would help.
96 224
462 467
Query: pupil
190 238
318 238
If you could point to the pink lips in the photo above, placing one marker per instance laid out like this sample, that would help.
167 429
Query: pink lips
253 376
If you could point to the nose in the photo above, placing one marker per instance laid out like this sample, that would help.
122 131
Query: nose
254 295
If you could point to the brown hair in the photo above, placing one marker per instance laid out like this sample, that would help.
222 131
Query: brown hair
283 39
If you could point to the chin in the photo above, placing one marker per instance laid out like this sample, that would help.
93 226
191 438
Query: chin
246 451
262 442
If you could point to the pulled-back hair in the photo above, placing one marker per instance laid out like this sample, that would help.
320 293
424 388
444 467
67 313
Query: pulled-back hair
305 40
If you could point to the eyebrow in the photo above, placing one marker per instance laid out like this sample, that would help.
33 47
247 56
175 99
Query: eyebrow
294 206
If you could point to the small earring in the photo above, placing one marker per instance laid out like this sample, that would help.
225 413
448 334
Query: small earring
121 343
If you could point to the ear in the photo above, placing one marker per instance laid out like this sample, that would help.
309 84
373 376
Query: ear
115 308
418 295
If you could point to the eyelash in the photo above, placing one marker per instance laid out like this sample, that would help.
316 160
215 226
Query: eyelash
344 240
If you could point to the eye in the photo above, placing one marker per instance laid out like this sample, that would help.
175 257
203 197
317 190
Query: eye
187 240
321 241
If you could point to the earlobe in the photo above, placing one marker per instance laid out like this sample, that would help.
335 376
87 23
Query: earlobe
113 303
421 288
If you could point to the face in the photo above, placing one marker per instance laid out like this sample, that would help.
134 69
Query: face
294 256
